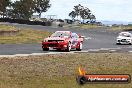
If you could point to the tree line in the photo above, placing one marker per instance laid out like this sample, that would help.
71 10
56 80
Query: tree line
82 12
23 9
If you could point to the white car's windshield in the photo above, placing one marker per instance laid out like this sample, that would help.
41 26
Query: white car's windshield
124 35
60 34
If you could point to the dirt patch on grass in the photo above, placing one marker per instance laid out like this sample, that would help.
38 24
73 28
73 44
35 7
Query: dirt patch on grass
57 71
9 33
6 30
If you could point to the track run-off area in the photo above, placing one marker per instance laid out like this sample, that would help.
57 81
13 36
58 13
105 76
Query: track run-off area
96 41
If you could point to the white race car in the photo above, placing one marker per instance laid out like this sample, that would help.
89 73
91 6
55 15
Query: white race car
124 38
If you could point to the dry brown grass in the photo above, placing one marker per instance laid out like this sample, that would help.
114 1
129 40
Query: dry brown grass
25 36
123 27
7 28
89 26
60 71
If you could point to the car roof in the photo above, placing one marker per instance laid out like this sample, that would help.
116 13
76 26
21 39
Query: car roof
125 33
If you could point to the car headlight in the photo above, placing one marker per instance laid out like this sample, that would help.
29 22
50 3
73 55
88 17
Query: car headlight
128 39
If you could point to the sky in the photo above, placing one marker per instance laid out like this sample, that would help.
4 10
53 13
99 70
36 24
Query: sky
111 10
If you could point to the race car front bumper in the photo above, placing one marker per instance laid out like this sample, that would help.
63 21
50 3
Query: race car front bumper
123 41
55 45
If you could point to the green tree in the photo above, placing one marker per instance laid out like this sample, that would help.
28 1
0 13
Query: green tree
83 12
92 18
77 9
42 6
3 6
72 15
23 9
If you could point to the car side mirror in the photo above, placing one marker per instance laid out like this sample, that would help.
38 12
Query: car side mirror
81 36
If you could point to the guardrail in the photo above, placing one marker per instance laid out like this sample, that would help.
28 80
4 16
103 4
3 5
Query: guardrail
22 21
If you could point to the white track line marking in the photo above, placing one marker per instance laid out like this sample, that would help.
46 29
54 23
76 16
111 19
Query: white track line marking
93 50
88 38
130 51
21 54
116 48
80 51
7 55
112 50
104 48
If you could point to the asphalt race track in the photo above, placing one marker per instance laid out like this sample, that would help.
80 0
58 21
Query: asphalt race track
96 40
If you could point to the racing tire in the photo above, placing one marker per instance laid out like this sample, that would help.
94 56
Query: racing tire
68 47
81 80
80 47
130 43
45 49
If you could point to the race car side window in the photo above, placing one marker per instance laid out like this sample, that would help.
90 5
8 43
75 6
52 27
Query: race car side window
74 35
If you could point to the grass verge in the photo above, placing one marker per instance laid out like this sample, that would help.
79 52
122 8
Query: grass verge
122 27
7 28
89 26
83 26
24 36
60 71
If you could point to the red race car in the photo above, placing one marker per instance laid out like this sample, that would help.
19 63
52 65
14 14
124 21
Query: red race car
63 40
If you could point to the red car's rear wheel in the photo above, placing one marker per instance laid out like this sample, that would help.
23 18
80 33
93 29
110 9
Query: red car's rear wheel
80 47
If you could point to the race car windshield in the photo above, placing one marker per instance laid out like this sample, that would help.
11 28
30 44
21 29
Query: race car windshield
60 34
125 35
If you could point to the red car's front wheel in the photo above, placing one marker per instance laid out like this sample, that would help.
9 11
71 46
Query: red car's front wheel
45 49
68 47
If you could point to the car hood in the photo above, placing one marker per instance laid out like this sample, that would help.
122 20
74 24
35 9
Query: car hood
56 38
122 37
